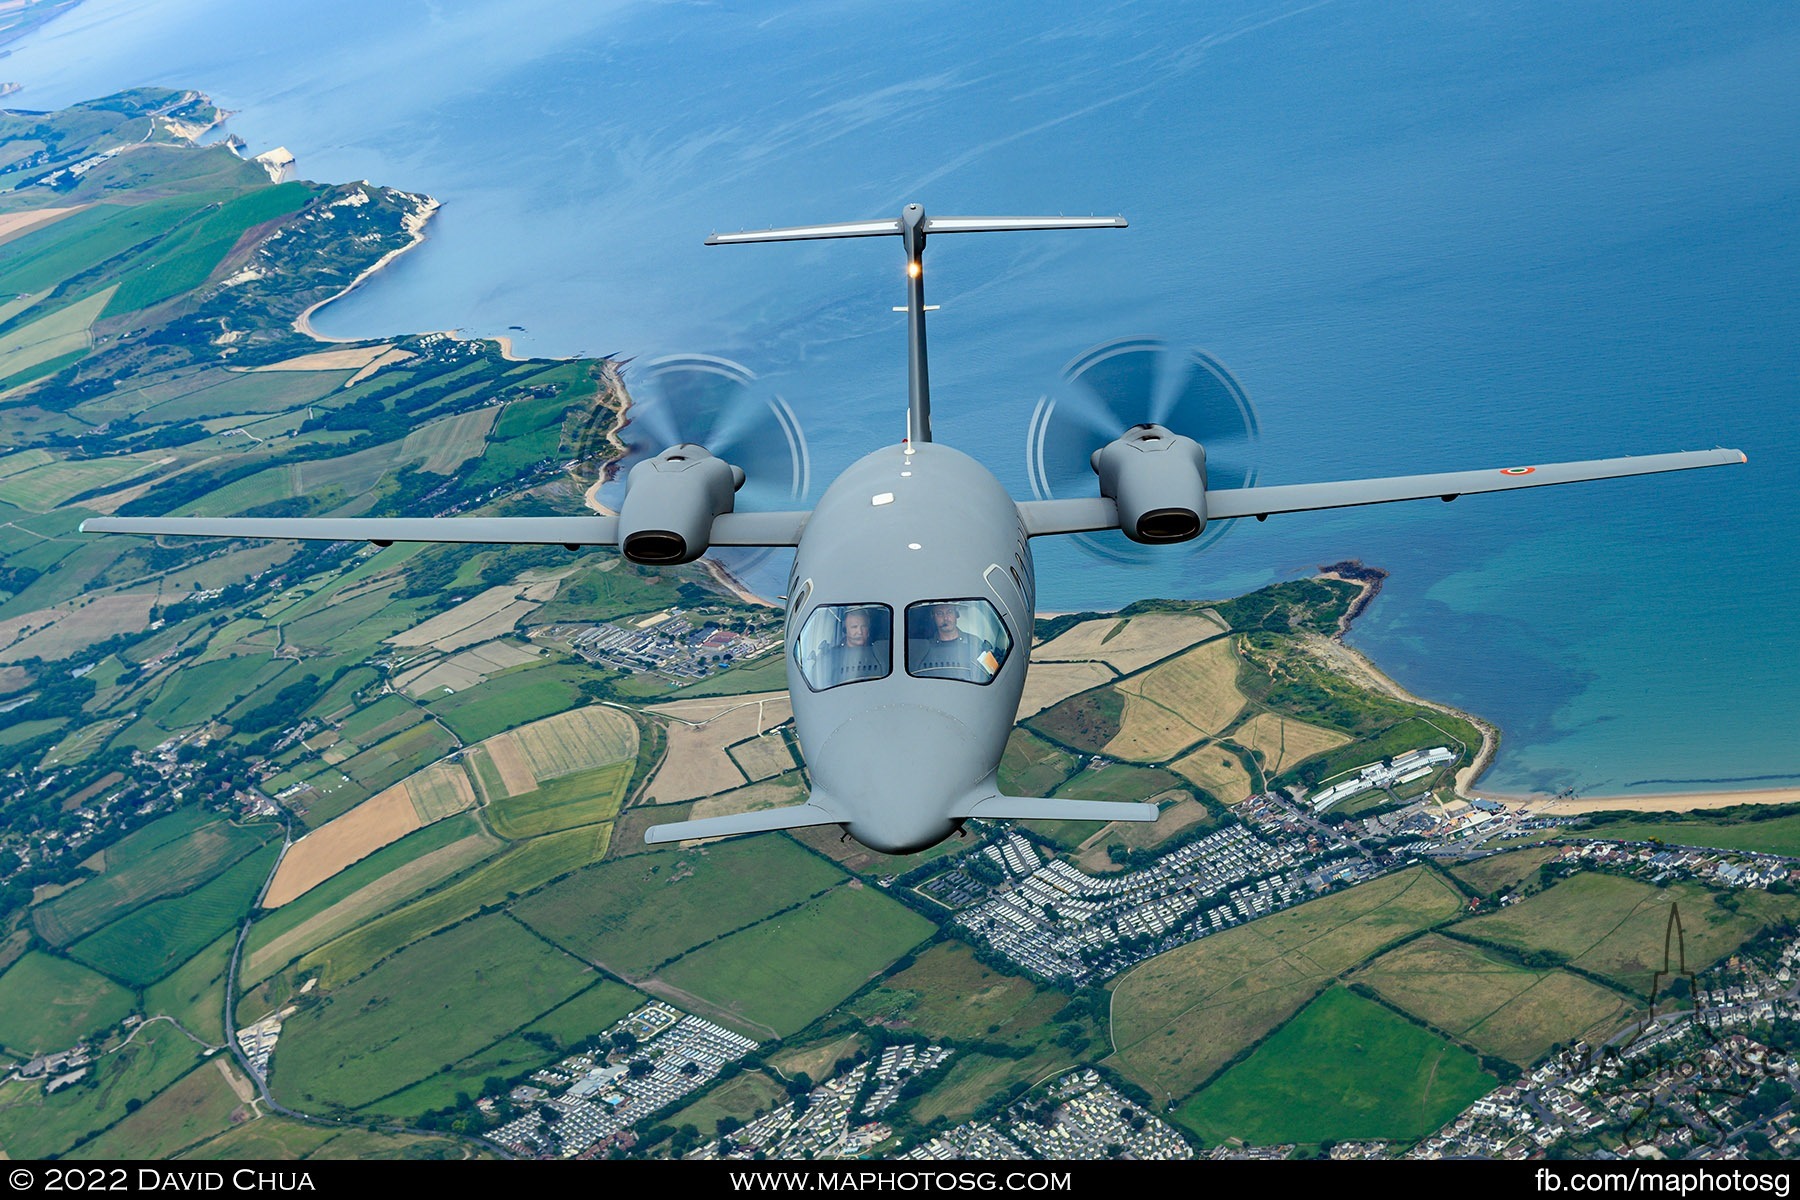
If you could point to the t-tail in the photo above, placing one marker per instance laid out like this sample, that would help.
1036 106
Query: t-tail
912 226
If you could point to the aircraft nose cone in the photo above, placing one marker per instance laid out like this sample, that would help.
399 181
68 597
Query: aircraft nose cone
895 770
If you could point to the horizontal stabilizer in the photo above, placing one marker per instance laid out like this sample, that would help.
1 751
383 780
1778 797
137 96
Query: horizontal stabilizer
930 225
1035 808
794 816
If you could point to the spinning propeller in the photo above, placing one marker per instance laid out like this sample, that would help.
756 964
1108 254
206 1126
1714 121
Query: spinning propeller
721 405
1109 388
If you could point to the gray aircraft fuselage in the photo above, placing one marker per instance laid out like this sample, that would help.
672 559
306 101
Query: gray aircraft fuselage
898 756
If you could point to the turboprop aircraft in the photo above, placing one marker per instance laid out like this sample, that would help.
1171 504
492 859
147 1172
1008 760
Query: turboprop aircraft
911 603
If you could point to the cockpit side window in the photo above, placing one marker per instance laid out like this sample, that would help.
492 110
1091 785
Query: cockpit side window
955 639
845 643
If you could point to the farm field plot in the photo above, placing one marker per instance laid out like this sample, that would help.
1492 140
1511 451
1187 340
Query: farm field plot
389 761
49 1003
1220 771
52 335
948 993
768 793
1030 766
568 742
1344 1068
697 764
231 394
482 618
1498 872
560 1031
763 757
521 870
318 855
442 445
1175 704
169 856
351 358
432 1003
781 973
195 695
1179 1017
566 802
200 1105
459 672
1142 641
1051 683
633 914
194 994
1774 835
69 628
1619 928
385 880
1495 1006
1284 741
152 940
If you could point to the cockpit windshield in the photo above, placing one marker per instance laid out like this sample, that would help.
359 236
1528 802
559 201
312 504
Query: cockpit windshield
845 643
955 639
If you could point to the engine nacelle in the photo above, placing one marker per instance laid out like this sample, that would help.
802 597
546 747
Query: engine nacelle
670 503
1158 480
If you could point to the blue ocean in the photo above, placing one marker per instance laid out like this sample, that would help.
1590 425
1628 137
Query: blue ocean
1420 237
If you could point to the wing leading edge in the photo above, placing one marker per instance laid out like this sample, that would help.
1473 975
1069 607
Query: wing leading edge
1099 513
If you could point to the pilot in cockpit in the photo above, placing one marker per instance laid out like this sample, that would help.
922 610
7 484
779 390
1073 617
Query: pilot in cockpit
856 655
945 650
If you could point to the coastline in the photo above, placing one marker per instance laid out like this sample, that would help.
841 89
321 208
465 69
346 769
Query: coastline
1537 804
415 225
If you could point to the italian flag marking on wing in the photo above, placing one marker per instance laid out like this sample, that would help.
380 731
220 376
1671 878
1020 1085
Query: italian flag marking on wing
1517 470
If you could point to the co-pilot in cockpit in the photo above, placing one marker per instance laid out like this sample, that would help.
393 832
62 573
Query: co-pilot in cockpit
946 639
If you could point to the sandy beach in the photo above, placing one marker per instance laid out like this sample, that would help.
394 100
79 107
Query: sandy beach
415 225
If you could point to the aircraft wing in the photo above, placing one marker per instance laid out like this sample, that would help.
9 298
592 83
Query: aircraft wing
1098 513
729 529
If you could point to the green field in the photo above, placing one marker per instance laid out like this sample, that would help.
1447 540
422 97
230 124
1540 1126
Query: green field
194 995
198 1106
1181 1016
184 258
172 855
949 993
510 700
1500 872
434 1002
779 975
1031 766
278 1139
153 939
46 256
35 1125
633 914
1622 929
195 695
567 1027
1343 1068
1774 835
584 798
49 1003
